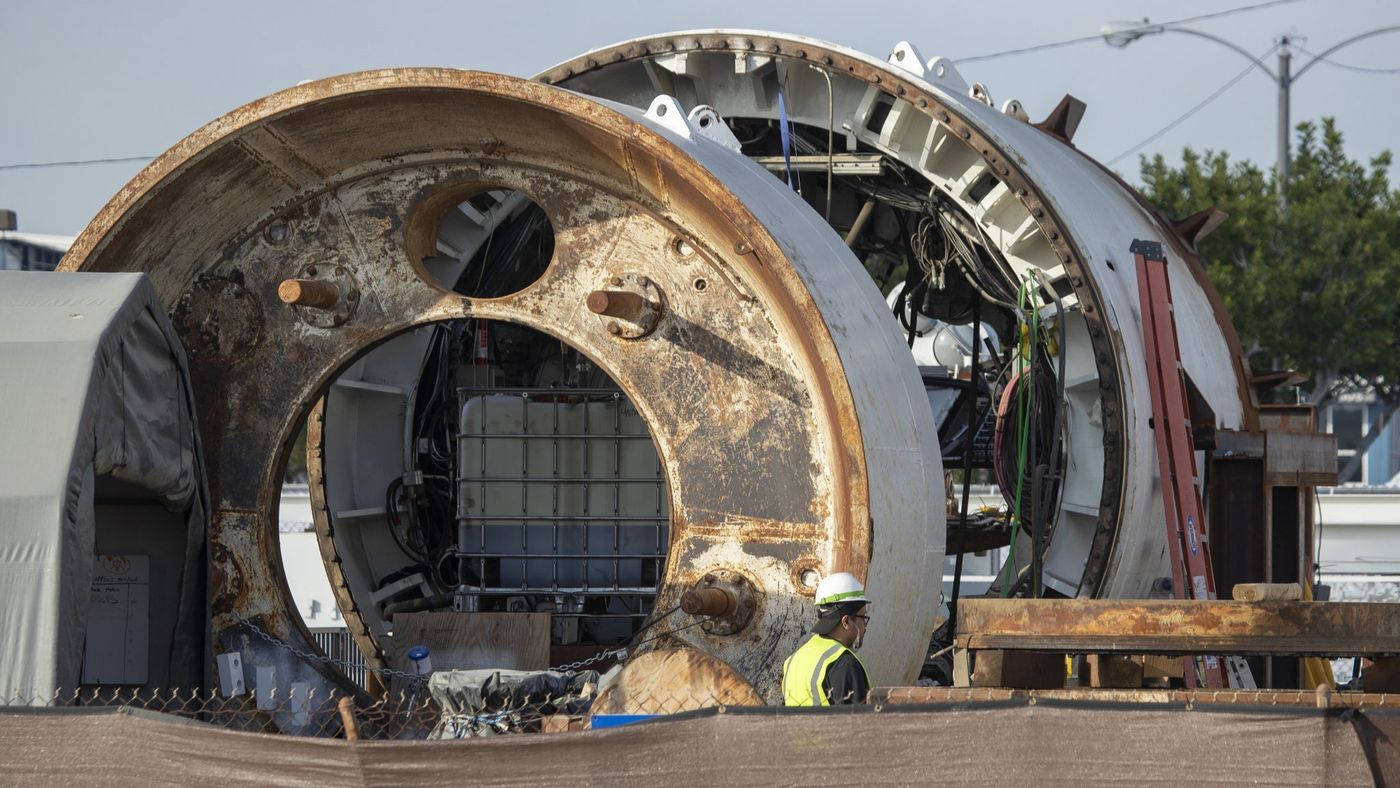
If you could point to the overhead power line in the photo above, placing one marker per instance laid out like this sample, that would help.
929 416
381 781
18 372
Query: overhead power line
1349 67
988 56
77 163
1097 37
1188 113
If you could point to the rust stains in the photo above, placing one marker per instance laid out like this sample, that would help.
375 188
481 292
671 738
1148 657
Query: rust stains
748 404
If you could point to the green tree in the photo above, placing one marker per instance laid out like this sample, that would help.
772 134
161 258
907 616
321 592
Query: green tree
1312 283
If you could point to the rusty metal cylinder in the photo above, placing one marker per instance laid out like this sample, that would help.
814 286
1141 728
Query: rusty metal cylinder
617 303
800 432
309 292
711 601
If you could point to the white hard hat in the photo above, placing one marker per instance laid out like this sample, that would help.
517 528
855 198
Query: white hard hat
840 587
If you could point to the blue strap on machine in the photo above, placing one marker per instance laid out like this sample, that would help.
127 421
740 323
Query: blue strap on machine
786 139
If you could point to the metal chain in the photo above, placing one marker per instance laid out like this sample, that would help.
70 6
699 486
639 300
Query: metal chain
573 667
325 660
567 667
621 652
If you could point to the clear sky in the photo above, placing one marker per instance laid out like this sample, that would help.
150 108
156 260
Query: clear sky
100 79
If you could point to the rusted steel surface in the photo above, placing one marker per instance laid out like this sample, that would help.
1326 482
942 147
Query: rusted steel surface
897 696
675 680
1172 626
589 73
743 384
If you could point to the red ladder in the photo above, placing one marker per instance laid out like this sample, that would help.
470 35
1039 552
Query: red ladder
1192 577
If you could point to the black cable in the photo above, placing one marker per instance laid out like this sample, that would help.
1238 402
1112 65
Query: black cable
967 461
668 632
654 621
1042 499
1086 39
1349 67
1188 113
75 163
391 512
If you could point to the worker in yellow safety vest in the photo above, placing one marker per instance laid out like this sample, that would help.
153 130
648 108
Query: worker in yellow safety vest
825 669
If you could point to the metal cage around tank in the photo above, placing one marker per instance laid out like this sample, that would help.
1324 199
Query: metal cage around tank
560 494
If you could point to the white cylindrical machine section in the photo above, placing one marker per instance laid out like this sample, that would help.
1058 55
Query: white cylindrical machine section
896 435
1048 211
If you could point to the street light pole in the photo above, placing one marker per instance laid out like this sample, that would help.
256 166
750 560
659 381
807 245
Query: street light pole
1119 35
1285 84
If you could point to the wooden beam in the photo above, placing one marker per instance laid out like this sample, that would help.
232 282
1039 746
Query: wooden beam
472 641
963 696
1301 459
1101 626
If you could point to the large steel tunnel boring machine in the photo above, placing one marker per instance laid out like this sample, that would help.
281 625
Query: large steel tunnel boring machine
927 172
569 346
295 235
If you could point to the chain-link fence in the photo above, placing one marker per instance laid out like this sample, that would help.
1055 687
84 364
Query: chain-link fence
401 716
452 706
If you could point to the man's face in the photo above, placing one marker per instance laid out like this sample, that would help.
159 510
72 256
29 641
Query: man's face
858 623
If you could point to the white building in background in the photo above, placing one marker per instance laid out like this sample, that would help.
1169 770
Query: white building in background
301 559
310 587
1360 545
1350 419
29 251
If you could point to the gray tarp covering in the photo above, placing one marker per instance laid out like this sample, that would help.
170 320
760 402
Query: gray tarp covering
93 382
993 744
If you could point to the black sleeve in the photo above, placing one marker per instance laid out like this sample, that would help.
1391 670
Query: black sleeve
845 681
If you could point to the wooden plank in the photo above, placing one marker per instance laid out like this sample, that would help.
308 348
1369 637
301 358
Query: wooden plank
1236 500
1382 675
1157 666
470 641
1267 592
1021 669
1163 626
1300 459
1288 418
1114 670
1174 697
1237 444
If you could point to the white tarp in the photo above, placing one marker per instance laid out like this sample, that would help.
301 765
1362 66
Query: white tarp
93 382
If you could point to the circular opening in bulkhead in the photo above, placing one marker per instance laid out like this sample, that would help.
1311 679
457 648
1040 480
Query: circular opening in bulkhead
490 244
476 466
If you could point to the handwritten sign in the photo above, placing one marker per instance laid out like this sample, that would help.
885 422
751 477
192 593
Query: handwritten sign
119 621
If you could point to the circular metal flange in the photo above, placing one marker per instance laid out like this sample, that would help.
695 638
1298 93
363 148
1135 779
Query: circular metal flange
783 426
746 599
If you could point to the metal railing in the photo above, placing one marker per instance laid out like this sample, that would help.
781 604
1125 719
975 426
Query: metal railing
340 646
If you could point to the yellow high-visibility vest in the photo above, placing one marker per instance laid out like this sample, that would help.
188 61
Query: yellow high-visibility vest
805 670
